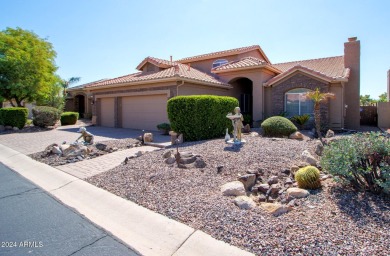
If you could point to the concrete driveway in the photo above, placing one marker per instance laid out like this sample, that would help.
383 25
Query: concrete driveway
32 142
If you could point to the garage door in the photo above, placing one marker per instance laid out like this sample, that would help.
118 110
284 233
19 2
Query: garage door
144 112
107 112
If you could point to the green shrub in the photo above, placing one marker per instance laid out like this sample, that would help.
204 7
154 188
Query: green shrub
165 127
278 126
45 116
15 117
300 120
247 119
361 160
200 117
68 118
308 177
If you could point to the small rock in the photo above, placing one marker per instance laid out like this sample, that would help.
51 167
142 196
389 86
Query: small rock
319 148
139 153
329 134
247 128
199 163
276 209
101 146
80 158
56 150
15 128
234 188
254 134
63 147
296 136
308 158
288 181
273 180
254 189
270 199
248 180
262 198
114 149
274 189
324 177
244 202
148 137
220 169
167 154
255 172
263 188
286 171
291 203
297 193
295 184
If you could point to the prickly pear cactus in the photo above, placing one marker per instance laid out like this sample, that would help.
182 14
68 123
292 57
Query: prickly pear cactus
308 177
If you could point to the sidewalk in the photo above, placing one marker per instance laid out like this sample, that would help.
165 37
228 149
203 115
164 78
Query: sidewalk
88 168
144 231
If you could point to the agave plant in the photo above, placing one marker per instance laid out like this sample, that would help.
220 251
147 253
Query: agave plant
318 98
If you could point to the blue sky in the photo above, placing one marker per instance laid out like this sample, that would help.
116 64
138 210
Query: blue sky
97 39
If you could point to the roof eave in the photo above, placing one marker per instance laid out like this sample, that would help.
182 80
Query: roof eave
225 86
158 80
273 69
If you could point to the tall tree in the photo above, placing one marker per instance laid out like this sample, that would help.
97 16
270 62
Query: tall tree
366 100
66 83
27 66
383 97
318 98
54 98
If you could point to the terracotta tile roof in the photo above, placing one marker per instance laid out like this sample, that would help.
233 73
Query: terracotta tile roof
81 86
330 69
224 53
156 61
243 63
176 71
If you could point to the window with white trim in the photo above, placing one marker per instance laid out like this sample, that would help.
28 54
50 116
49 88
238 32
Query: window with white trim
219 62
297 104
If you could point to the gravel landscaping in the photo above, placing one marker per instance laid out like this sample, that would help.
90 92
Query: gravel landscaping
332 220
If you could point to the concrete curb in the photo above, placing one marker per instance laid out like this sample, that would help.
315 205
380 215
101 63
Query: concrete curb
143 230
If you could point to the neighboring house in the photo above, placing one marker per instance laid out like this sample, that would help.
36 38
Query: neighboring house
264 89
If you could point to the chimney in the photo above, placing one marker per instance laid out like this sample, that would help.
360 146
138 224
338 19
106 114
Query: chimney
171 58
388 85
189 66
352 87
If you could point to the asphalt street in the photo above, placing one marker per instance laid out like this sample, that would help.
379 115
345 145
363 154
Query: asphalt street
34 223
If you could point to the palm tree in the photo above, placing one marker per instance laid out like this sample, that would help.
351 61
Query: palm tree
318 98
66 83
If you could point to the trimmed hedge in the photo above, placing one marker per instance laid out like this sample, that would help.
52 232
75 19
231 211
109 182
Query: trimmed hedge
278 126
200 117
15 117
45 116
68 118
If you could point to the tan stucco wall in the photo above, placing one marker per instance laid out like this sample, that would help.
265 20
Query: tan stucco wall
384 114
195 89
336 109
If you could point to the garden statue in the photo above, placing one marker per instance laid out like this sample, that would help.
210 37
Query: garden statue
237 119
87 136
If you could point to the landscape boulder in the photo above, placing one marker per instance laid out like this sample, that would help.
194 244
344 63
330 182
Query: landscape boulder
148 137
276 209
308 158
318 148
234 188
101 146
296 136
249 180
329 134
56 150
273 180
170 160
247 128
263 188
244 202
297 193
167 154
75 150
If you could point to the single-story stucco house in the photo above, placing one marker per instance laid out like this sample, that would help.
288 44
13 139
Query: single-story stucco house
264 89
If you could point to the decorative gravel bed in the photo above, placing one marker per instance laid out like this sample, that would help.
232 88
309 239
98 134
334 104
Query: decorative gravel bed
331 221
112 146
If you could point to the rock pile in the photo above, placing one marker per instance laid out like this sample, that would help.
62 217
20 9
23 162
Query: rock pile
183 160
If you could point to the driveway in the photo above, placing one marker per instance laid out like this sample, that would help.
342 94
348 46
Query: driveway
32 142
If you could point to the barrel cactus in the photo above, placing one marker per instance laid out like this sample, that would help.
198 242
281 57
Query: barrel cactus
308 177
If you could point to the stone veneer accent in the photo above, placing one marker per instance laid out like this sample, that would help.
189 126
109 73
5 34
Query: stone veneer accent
297 81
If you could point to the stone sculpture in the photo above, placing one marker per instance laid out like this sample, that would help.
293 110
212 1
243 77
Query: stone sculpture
237 119
87 136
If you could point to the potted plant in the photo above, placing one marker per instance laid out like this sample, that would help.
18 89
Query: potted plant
164 128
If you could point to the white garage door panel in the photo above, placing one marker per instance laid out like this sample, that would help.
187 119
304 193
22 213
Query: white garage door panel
144 112
107 112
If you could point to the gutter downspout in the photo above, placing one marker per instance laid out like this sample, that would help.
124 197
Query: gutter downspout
343 108
177 88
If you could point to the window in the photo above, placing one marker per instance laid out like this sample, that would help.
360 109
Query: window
297 104
219 62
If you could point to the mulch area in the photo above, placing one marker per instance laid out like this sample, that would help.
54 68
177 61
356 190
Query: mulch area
333 220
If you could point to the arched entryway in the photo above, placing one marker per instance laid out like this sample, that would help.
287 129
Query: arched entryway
243 91
79 105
